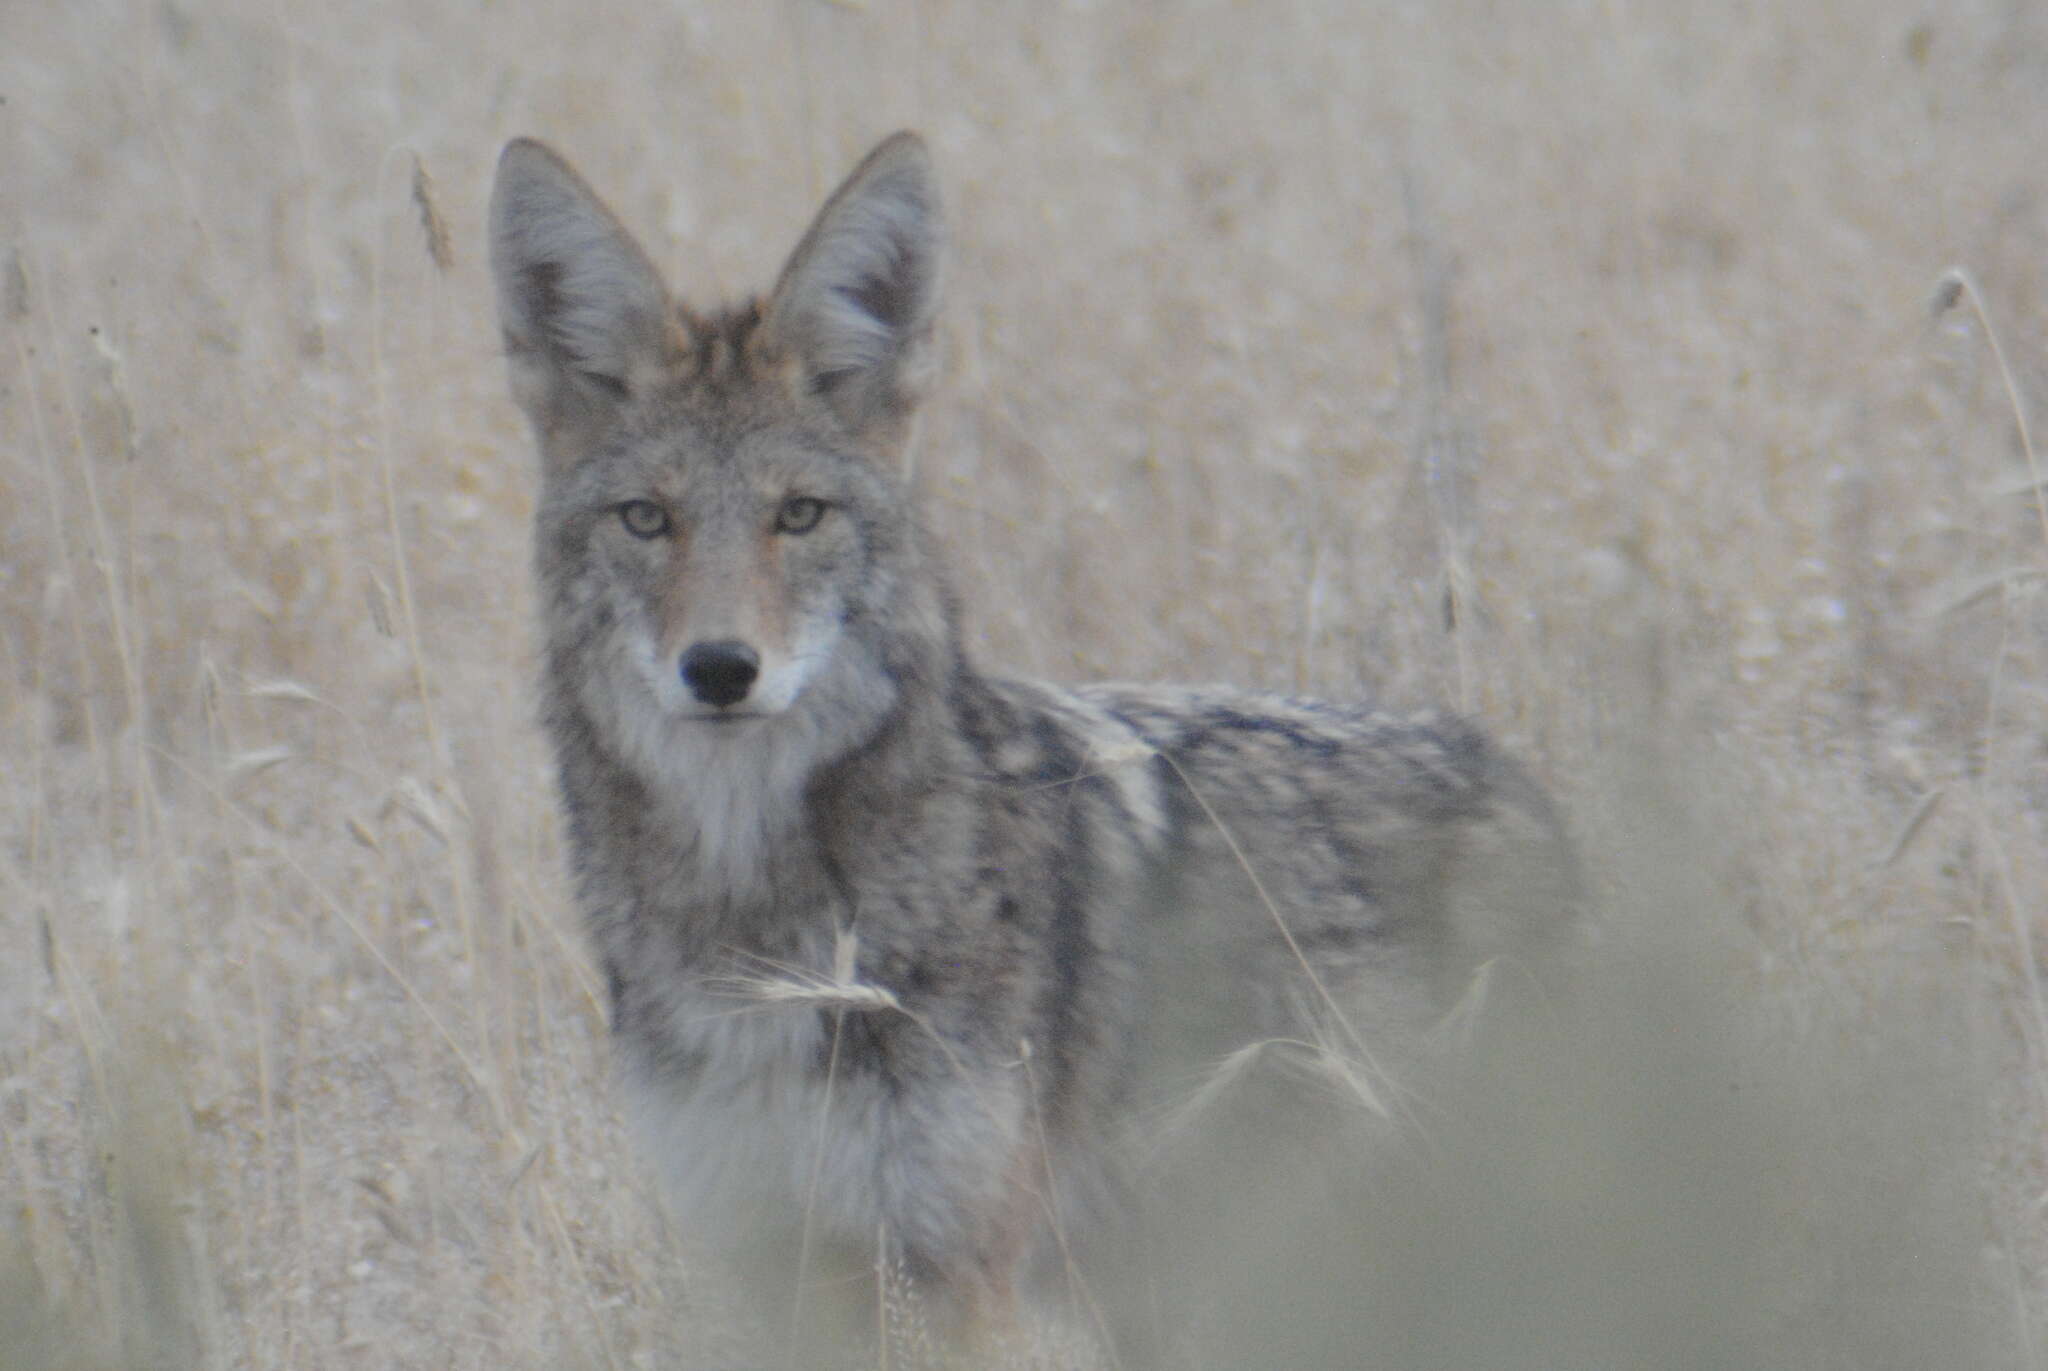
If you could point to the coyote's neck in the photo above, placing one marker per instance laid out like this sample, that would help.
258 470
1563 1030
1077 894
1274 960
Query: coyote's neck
738 805
739 824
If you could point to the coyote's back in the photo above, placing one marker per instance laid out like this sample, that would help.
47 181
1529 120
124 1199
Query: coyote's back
899 952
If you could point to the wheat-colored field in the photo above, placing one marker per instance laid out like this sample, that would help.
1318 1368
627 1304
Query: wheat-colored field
1651 380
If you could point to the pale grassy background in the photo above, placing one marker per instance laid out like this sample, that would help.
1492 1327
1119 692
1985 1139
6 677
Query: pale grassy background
1274 331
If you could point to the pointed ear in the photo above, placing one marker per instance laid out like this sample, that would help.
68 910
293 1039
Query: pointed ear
855 305
586 318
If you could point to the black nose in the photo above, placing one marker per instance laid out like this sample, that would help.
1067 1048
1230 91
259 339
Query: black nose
720 673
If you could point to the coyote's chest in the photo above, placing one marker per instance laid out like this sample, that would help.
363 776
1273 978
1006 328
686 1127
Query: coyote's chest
765 1119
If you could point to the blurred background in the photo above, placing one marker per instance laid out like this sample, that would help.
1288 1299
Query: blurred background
1652 381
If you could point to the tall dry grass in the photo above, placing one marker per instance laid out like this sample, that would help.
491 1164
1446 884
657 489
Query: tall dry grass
1579 365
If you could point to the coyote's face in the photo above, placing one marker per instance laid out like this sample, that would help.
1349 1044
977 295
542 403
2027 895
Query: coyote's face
724 553
709 569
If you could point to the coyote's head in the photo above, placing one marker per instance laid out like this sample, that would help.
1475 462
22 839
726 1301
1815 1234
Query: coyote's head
726 557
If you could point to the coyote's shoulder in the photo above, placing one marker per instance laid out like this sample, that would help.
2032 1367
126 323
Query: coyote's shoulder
901 951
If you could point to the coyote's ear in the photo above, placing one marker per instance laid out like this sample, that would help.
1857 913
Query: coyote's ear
586 318
856 302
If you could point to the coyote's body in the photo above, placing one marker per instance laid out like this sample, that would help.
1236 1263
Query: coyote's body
898 951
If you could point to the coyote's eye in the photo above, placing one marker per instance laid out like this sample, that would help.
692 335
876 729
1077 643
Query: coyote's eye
643 518
799 514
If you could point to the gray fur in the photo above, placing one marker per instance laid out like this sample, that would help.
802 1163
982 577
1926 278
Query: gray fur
1060 906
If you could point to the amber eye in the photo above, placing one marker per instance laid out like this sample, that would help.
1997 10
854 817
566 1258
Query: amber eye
643 518
799 514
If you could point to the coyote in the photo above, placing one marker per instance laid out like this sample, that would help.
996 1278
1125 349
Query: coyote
905 960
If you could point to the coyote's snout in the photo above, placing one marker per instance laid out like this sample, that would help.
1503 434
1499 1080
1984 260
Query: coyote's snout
900 952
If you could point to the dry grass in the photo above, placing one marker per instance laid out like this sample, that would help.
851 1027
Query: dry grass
1573 364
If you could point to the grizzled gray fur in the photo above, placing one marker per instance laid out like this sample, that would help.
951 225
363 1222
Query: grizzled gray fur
901 953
